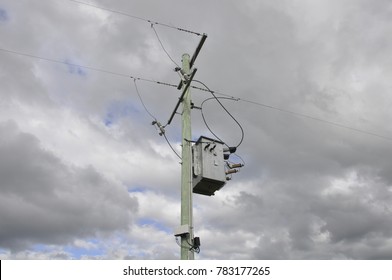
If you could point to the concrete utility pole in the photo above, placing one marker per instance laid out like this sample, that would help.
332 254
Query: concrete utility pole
202 172
188 244
186 168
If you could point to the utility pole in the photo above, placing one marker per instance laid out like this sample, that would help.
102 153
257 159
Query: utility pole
188 243
203 171
186 168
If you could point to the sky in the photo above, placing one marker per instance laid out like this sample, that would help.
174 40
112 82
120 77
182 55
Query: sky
84 174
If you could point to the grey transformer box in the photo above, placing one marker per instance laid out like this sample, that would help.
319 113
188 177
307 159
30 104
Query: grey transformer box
208 166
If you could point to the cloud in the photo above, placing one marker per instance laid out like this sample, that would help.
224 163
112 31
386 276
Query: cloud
3 15
79 148
46 201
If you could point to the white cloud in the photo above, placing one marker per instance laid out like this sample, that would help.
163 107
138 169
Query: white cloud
80 138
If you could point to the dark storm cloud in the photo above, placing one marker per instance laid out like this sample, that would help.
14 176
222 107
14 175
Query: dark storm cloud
45 201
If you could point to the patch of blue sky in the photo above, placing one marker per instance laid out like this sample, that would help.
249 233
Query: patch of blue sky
4 251
77 252
3 15
119 109
49 251
109 119
155 224
175 138
75 69
137 189
40 248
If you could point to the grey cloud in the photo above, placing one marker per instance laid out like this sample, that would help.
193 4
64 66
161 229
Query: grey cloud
43 200
330 60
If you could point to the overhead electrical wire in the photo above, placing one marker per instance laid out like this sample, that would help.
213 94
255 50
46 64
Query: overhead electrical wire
170 145
141 101
297 114
64 62
57 61
162 130
163 47
153 81
260 104
136 17
102 71
316 119
224 108
152 23
205 121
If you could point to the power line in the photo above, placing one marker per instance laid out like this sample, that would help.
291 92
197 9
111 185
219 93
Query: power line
102 71
224 108
64 62
170 145
208 127
201 89
141 101
163 47
136 17
155 122
143 19
153 81
316 119
298 114
57 61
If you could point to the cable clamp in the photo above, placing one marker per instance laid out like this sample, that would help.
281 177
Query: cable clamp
195 107
160 127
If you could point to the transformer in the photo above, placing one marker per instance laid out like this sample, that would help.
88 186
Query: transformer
208 166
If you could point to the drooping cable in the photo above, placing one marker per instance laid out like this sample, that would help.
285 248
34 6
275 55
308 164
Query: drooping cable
136 17
206 123
260 104
141 101
227 111
155 122
163 47
170 145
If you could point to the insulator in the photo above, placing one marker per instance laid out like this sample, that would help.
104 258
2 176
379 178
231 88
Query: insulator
231 171
237 165
230 149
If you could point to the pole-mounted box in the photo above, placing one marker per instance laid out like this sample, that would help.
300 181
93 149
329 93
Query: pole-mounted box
182 230
208 166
